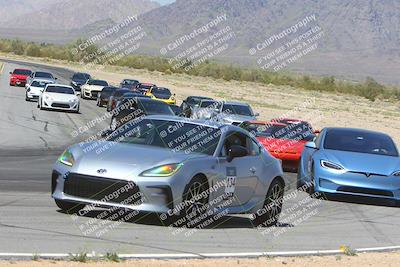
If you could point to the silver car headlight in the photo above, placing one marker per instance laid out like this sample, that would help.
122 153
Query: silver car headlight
330 165
163 171
396 173
67 158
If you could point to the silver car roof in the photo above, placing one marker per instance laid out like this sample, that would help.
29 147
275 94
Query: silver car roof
43 80
235 103
60 85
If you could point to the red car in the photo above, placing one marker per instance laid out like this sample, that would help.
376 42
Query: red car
284 141
293 121
19 76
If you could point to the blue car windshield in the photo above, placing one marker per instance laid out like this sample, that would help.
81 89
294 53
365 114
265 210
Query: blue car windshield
176 136
360 142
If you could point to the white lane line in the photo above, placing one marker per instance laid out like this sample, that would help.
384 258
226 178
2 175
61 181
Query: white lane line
204 255
2 67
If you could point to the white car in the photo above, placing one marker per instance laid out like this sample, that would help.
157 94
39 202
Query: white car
35 88
57 96
92 88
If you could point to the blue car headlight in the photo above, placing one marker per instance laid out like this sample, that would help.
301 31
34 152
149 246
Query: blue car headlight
67 158
163 171
396 173
331 166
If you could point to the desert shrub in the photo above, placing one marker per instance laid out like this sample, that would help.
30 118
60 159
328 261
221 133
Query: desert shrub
17 47
33 50
328 84
371 89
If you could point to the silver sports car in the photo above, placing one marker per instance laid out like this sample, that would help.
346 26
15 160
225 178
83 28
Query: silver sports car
225 112
174 167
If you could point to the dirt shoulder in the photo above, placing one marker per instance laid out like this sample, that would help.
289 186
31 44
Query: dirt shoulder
361 260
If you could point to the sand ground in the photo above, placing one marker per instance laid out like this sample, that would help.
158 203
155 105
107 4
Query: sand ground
360 260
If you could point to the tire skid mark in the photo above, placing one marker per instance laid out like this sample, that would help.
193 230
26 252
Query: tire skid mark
9 203
33 116
46 145
30 128
370 226
75 126
109 240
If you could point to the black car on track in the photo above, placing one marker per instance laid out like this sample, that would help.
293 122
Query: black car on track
104 96
79 79
116 95
132 108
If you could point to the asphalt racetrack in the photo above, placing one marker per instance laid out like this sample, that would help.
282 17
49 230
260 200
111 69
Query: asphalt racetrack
31 140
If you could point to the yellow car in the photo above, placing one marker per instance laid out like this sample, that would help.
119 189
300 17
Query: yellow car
162 94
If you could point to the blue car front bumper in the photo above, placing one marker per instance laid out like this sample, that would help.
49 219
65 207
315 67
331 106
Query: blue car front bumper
358 184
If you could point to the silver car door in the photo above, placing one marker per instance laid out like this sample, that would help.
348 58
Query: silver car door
240 176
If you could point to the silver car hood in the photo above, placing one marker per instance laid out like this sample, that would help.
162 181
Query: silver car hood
121 160
205 112
236 118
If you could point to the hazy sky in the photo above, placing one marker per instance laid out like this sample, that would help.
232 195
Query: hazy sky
163 2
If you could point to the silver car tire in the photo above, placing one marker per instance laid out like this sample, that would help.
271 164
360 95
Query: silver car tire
196 187
272 205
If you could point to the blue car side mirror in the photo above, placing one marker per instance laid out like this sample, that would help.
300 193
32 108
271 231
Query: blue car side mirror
311 145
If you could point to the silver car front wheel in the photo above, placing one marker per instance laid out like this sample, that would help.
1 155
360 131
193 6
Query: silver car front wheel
269 214
195 201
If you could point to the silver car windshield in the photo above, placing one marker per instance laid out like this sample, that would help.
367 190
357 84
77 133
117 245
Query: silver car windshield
174 136
43 75
41 84
237 110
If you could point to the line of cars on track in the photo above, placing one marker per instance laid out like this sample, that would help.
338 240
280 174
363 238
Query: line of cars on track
173 157
43 87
